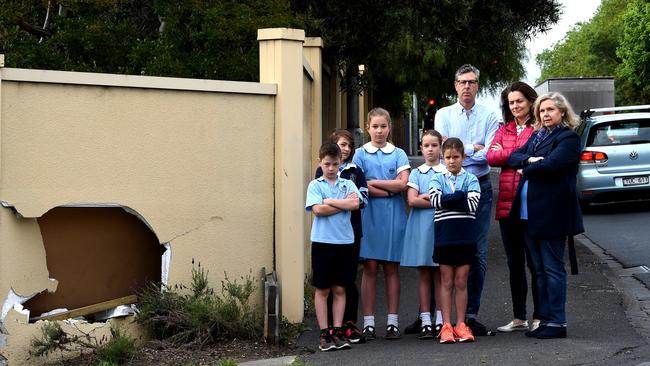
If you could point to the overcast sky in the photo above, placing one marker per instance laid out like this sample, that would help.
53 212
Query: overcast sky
573 12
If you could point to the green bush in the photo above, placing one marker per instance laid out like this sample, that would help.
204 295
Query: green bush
227 362
289 332
197 316
53 338
310 308
117 350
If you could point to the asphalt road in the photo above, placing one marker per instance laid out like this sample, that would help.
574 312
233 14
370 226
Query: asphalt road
622 230
600 332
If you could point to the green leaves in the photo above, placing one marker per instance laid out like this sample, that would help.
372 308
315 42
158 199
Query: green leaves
406 45
211 40
615 42
634 49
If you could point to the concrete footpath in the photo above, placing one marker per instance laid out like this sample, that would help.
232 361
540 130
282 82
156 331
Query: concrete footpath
606 324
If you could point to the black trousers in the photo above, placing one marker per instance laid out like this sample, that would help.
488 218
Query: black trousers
514 243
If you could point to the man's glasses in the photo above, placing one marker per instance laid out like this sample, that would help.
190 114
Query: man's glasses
466 82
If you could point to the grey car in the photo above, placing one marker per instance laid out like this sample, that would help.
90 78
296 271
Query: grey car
615 160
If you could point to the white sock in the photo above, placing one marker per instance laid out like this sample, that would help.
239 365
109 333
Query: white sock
392 320
426 318
368 321
438 317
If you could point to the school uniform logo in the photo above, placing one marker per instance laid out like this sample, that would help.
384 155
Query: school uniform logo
343 188
391 171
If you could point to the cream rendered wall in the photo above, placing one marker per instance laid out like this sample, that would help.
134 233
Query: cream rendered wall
308 165
313 100
197 166
193 158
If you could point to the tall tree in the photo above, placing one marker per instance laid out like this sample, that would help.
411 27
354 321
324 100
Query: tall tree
634 51
416 45
615 42
213 40
589 49
101 36
406 45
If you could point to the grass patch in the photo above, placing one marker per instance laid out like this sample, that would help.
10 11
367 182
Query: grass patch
227 362
117 350
289 332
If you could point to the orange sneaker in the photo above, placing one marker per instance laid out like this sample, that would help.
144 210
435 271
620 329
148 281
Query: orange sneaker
463 333
447 334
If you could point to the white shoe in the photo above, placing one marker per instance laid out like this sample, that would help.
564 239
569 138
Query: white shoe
535 324
512 326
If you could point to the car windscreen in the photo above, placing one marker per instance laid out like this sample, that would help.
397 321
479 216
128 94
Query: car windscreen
624 132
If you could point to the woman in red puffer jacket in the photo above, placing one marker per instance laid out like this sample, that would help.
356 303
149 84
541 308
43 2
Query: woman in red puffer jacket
517 106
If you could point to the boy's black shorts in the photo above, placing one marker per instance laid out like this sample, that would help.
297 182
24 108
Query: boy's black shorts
333 265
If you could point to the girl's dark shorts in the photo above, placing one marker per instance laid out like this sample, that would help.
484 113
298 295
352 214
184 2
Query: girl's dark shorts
333 265
455 255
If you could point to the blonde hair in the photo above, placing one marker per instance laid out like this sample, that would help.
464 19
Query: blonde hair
569 118
379 112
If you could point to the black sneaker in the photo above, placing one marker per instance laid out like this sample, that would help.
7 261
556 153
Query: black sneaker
426 332
326 342
477 328
339 340
438 329
369 333
392 332
352 333
414 328
552 332
536 331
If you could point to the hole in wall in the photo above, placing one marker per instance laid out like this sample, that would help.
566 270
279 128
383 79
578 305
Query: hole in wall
96 254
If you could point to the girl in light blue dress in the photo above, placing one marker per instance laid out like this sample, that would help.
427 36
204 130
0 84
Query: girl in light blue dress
419 237
387 169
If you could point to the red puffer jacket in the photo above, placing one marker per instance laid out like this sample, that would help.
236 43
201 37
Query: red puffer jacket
507 137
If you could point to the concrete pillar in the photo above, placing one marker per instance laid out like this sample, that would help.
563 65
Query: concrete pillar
313 53
281 62
313 56
2 65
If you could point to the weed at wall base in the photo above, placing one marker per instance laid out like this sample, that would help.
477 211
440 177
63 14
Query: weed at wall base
114 351
199 316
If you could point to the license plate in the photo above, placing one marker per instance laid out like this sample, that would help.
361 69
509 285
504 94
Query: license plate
633 181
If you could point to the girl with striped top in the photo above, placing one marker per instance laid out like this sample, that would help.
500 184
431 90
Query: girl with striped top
455 195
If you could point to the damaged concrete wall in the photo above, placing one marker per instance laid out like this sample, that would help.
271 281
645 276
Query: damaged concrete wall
22 263
96 254
21 334
193 158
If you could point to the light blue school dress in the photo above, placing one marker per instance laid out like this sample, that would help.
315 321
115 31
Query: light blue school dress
419 237
384 218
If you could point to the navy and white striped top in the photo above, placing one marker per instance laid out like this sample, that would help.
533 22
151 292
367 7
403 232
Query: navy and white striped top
455 198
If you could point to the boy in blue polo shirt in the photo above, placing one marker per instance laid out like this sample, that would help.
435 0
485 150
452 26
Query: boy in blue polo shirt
331 199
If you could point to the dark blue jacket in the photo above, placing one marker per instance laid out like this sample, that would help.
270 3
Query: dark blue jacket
553 209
